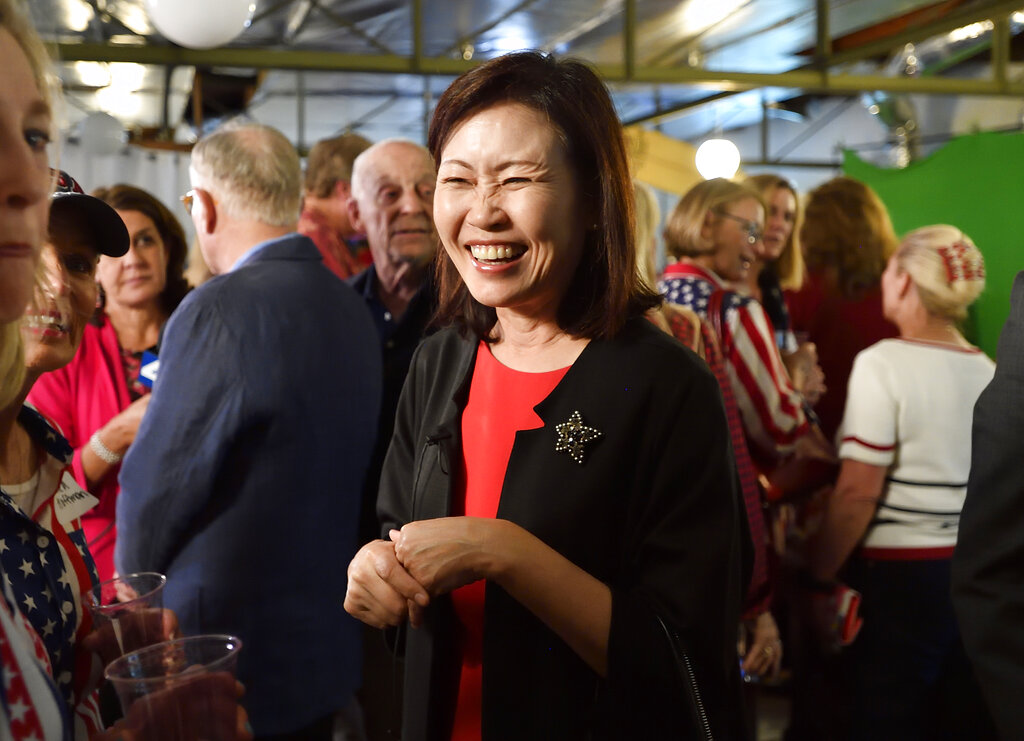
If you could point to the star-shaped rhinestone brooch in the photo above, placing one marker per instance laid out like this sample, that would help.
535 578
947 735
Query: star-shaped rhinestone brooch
573 436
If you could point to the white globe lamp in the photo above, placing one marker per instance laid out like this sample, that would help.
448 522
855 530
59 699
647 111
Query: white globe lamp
717 158
201 24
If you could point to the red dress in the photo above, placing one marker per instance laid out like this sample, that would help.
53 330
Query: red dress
501 402
840 328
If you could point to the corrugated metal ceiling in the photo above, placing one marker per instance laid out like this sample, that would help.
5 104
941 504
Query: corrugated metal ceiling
737 36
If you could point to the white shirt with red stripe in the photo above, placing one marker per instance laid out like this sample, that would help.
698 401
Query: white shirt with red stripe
910 407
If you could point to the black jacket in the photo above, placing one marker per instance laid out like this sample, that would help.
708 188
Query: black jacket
653 512
988 564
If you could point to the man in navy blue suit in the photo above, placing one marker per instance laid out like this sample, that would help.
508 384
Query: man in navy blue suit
244 482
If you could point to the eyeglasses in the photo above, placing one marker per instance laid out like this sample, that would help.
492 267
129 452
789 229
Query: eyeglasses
754 232
187 200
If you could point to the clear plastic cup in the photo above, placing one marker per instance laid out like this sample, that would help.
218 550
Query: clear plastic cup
180 687
132 607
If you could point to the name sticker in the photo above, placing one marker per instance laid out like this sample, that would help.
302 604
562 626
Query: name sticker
71 501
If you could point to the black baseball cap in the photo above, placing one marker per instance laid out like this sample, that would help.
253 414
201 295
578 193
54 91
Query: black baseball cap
69 198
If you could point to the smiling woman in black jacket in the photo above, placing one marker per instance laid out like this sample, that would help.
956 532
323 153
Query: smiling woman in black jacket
561 520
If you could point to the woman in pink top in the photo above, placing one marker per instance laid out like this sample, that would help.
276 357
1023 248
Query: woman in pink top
98 399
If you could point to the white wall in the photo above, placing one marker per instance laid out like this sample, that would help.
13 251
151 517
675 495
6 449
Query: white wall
164 174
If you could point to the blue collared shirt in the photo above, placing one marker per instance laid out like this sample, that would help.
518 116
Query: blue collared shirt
251 253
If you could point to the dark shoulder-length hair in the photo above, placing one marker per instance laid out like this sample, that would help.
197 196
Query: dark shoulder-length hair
123 197
606 288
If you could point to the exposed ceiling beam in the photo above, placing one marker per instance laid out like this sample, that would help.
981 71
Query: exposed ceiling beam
1000 48
803 164
342 22
266 12
259 58
598 18
813 81
370 115
823 33
813 129
471 37
298 14
885 28
629 37
807 80
979 11
679 48
672 111
417 33
709 49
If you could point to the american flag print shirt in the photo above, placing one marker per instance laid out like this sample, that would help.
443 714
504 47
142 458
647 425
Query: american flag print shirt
46 567
772 410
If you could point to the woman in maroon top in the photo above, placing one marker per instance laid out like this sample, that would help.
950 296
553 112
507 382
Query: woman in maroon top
847 238
561 519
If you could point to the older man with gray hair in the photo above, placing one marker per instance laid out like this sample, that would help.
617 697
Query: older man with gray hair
393 204
244 482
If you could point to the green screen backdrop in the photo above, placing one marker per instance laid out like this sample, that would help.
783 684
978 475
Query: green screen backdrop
976 183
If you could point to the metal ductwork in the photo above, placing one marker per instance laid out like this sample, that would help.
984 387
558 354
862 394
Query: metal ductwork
897 112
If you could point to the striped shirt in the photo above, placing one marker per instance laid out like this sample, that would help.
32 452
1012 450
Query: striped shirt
772 410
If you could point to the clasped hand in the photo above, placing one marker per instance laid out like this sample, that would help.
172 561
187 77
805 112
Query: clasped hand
390 581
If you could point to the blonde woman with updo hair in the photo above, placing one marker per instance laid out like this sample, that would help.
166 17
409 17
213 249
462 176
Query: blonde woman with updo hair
891 523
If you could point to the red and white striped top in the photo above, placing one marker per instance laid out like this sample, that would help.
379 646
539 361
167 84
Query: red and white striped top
772 409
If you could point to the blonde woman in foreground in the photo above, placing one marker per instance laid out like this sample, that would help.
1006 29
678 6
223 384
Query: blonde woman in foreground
33 700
